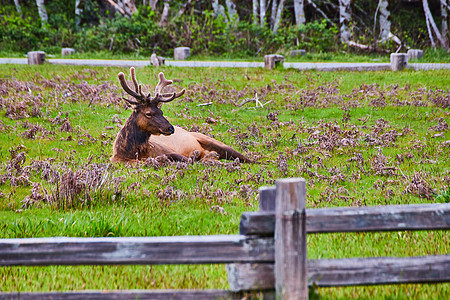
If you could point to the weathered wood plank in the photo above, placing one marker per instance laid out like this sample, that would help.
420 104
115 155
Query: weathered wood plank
126 295
267 198
290 239
135 250
357 219
354 271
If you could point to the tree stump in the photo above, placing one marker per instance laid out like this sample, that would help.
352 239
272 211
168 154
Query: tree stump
67 51
181 53
398 61
415 54
157 61
36 57
272 60
295 53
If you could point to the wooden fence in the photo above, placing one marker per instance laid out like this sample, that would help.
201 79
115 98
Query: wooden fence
269 253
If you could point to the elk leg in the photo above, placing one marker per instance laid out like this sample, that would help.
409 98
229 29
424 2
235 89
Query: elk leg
224 151
176 157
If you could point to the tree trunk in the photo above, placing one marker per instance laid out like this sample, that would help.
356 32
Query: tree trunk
165 14
153 4
255 11
262 14
42 12
232 12
78 12
273 15
430 19
345 14
385 20
18 8
276 24
128 6
299 10
444 20
117 7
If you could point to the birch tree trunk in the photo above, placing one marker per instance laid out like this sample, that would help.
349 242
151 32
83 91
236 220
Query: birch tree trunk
385 20
232 12
128 6
345 14
262 12
78 12
299 10
153 4
18 7
42 12
276 24
255 11
444 20
165 14
430 19
273 15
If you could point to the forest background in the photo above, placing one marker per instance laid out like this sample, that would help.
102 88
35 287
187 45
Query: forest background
229 29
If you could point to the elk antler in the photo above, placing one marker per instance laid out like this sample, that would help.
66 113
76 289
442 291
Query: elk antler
137 93
163 82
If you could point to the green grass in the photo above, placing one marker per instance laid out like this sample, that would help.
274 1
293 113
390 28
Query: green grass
388 119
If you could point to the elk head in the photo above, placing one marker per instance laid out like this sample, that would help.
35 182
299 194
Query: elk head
147 109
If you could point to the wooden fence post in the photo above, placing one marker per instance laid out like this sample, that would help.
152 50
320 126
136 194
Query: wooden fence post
291 278
243 277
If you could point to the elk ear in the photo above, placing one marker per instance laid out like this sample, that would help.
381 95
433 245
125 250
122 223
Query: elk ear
133 103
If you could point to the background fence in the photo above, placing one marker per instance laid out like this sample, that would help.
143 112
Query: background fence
269 253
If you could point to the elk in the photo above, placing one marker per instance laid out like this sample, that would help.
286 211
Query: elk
147 133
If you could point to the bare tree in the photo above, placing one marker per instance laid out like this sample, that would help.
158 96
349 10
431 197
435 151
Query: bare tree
128 6
18 7
345 14
42 12
276 24
232 12
153 4
255 11
432 24
165 13
78 12
385 20
444 20
119 9
299 10
273 15
262 12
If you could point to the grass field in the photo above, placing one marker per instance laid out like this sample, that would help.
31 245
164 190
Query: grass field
358 138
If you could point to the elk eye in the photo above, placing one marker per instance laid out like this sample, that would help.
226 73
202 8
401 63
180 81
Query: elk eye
148 115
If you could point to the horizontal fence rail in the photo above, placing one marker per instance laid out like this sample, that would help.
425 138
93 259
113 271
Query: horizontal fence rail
348 272
126 295
357 219
135 250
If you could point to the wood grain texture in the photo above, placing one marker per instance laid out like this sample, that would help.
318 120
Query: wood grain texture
236 271
357 219
135 250
290 239
267 198
353 272
126 295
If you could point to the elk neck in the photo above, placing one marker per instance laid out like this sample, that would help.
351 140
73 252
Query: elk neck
131 140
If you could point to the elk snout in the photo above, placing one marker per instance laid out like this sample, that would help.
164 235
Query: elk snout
171 130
